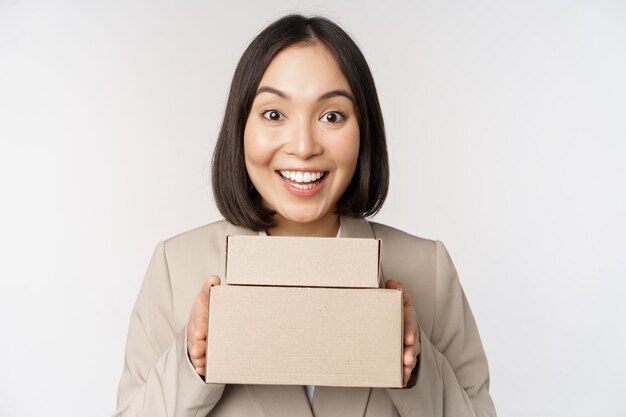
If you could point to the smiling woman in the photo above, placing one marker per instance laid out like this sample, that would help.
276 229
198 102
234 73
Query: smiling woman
295 71
302 152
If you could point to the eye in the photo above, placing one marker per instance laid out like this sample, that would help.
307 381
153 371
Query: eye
273 115
333 117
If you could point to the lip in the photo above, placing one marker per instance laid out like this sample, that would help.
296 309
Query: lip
300 192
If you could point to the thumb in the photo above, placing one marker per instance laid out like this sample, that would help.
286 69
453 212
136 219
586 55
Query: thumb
395 285
203 295
200 311
392 284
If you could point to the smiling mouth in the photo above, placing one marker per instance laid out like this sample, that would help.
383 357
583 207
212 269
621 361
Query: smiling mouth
303 180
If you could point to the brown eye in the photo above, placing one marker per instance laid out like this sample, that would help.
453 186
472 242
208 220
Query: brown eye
333 117
273 115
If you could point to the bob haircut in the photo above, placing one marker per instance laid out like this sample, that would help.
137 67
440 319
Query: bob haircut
236 198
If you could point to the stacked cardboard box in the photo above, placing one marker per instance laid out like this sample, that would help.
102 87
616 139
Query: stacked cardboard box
304 311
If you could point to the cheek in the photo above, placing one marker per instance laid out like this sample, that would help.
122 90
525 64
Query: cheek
347 150
258 147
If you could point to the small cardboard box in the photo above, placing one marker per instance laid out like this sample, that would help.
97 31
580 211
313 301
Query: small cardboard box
302 261
305 336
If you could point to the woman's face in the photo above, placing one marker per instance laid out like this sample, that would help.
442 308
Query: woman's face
301 140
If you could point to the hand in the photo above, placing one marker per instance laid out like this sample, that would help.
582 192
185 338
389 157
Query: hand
197 326
412 346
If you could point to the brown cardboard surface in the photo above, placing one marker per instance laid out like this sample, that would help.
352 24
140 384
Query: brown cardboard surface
305 336
302 261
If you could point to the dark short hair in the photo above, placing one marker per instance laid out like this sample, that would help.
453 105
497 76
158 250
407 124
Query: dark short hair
236 198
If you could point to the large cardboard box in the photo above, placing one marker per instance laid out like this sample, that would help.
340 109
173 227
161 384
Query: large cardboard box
304 311
305 336
302 261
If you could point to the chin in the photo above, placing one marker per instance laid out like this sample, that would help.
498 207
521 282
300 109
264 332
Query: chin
300 217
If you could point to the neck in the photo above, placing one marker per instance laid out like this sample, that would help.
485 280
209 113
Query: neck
328 226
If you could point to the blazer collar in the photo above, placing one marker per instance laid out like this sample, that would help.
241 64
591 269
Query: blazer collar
359 228
232 230
340 401
291 400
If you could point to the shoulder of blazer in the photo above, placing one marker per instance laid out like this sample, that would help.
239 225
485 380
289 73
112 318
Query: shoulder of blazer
205 241
191 258
201 237
421 251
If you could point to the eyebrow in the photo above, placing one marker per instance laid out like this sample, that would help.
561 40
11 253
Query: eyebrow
325 96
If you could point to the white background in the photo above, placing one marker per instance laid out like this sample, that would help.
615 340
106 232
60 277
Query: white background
507 136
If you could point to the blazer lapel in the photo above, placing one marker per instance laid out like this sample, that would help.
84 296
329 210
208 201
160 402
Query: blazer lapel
340 401
358 228
291 400
280 400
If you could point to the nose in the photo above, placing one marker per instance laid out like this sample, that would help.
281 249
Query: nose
303 141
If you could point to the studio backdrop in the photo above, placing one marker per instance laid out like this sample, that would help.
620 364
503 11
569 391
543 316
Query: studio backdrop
507 141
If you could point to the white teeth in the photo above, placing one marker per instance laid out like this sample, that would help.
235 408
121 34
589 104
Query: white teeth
302 177
304 186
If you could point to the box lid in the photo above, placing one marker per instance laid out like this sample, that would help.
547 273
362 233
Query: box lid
302 261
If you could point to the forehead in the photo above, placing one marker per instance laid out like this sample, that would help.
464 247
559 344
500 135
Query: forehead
304 69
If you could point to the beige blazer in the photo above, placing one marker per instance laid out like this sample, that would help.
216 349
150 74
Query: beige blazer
158 379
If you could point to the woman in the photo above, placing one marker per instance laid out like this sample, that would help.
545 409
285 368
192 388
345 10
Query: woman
301 152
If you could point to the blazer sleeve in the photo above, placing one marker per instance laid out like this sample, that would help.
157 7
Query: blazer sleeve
158 377
452 375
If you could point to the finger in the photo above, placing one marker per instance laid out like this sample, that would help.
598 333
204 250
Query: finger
199 366
197 330
406 374
197 326
203 295
197 350
395 285
410 317
410 327
200 328
194 361
200 311
409 357
199 362
391 284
